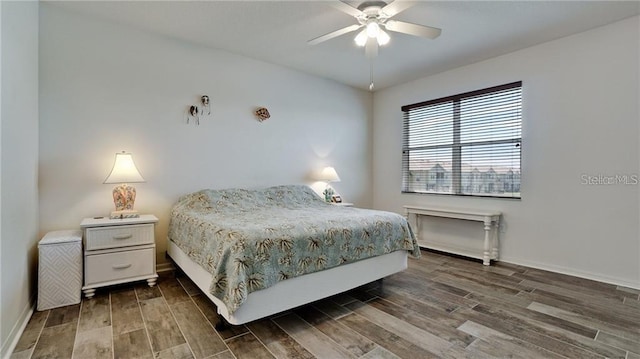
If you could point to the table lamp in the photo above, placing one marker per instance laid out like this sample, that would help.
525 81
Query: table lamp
328 174
124 171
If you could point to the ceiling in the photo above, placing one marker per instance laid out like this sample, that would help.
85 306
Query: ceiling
277 31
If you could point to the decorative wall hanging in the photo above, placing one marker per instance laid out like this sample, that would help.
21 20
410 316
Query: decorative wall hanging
206 110
194 112
262 114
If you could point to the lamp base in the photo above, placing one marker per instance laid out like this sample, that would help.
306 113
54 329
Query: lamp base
123 197
124 214
328 193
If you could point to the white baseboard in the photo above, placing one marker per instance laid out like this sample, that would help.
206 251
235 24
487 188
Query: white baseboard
16 331
164 267
573 272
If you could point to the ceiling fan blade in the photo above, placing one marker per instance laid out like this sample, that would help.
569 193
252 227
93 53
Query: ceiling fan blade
371 48
413 29
333 34
345 8
396 7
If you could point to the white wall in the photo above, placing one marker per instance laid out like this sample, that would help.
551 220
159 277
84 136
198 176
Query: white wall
106 88
580 117
19 165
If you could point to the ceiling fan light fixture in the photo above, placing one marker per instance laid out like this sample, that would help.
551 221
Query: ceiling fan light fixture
373 18
383 38
361 38
373 29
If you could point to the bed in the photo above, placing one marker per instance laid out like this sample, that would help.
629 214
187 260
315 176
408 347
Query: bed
259 252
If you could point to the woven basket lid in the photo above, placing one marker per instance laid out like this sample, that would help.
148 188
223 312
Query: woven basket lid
55 237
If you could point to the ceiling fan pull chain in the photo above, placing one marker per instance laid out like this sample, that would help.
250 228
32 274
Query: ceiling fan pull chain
371 74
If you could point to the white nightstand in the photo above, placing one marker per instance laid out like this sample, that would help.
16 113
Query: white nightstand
118 251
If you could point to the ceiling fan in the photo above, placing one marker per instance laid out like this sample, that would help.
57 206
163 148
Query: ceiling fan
375 17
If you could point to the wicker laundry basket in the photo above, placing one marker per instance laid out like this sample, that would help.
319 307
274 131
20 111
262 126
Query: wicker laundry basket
59 269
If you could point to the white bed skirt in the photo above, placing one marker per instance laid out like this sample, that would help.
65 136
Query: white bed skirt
296 291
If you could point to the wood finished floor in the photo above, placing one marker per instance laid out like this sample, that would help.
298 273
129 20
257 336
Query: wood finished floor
441 306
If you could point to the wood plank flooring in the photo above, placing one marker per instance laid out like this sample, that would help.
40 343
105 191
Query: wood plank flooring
441 307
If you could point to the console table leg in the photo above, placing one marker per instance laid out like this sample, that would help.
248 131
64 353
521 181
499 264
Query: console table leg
412 219
486 258
496 229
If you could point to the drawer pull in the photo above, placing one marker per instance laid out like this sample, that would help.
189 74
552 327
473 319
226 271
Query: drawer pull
123 236
121 266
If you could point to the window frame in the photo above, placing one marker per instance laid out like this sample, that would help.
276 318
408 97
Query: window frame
456 145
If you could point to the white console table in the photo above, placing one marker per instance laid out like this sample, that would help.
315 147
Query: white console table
491 220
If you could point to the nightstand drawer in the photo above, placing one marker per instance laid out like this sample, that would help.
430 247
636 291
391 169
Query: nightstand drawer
118 236
119 265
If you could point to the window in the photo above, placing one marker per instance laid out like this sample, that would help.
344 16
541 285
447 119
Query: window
467 144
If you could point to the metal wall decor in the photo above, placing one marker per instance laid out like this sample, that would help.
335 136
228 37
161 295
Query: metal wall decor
194 114
262 114
195 111
204 100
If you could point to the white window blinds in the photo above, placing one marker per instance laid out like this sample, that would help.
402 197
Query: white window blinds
466 144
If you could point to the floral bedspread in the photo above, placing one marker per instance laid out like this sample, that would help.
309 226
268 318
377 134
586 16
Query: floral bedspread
252 239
